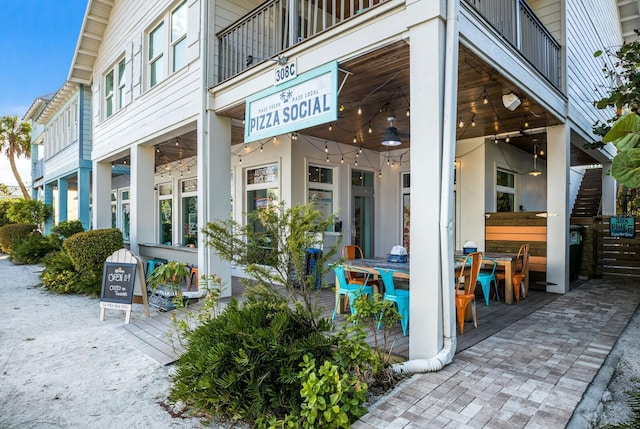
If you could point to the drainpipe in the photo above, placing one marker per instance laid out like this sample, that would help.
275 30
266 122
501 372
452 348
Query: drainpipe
445 356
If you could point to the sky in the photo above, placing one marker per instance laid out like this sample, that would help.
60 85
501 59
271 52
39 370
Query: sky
37 41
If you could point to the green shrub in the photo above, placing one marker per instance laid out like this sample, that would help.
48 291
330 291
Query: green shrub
14 233
4 206
67 228
33 248
89 250
245 363
28 211
60 276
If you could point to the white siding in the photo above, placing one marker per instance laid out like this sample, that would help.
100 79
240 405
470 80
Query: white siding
148 113
591 25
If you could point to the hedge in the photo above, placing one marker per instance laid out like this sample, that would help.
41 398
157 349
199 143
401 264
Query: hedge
89 250
14 233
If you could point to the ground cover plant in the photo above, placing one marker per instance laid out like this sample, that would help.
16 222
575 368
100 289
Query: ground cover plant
272 359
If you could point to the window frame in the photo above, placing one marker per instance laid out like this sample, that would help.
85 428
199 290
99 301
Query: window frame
114 99
507 189
162 61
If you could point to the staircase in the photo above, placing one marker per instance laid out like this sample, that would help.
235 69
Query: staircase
587 204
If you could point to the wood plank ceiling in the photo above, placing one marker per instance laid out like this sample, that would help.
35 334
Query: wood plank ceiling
378 86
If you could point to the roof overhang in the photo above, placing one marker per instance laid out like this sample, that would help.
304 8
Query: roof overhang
56 102
629 11
94 24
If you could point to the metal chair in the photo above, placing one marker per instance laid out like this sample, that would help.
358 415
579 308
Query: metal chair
519 274
465 293
485 278
399 296
350 291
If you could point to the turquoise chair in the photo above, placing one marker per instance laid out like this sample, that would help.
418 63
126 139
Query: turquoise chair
399 296
152 264
485 277
350 291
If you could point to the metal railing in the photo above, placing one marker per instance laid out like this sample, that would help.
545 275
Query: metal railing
517 23
277 25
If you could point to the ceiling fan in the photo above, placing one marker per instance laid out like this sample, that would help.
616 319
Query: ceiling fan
391 135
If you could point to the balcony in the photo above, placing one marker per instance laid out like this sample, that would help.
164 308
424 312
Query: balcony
520 26
277 25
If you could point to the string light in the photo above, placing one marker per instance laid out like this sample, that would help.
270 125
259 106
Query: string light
356 163
260 147
240 159
370 129
342 160
380 174
355 139
360 110
326 148
473 121
408 113
330 126
485 99
327 158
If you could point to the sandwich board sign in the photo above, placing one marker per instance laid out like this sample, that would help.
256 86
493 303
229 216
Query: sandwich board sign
118 283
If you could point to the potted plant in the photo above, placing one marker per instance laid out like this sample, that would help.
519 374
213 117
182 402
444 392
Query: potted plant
165 284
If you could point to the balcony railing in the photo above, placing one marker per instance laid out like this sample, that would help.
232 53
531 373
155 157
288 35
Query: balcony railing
277 25
523 29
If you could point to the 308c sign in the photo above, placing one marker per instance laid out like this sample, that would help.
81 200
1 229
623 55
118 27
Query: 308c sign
285 73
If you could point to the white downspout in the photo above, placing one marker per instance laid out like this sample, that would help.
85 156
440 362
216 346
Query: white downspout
445 356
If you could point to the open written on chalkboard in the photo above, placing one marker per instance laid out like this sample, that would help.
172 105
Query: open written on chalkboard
118 284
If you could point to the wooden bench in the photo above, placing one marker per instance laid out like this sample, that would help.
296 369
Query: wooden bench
506 232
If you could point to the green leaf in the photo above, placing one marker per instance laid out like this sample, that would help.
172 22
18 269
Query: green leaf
597 53
627 124
625 168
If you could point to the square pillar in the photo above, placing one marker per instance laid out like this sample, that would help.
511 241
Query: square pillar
609 192
101 195
48 200
142 196
427 76
84 192
63 200
214 190
559 212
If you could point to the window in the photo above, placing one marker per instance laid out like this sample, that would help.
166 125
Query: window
505 191
114 211
114 86
156 55
179 37
173 45
406 209
165 206
321 190
189 212
125 209
261 192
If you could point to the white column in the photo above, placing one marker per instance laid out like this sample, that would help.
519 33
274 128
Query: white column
214 190
609 191
101 213
142 196
427 42
558 158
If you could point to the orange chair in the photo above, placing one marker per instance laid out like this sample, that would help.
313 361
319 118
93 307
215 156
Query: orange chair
354 251
466 293
519 272
193 279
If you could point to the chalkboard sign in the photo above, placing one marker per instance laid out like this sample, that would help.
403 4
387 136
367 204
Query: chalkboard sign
622 227
118 282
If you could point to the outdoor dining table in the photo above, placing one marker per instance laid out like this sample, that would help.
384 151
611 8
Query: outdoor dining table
507 262
370 264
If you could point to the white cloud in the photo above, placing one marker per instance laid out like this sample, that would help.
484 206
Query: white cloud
6 174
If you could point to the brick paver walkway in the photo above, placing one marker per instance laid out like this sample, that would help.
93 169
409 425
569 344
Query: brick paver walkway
530 375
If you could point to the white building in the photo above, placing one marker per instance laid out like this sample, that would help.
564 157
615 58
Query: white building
185 93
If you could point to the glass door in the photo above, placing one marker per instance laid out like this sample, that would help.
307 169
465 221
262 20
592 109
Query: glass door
362 211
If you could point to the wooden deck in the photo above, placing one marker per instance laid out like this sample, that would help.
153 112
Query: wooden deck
155 335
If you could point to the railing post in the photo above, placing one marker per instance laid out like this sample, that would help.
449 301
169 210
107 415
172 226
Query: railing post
293 22
518 26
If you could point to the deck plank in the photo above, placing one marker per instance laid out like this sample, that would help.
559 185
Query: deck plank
151 334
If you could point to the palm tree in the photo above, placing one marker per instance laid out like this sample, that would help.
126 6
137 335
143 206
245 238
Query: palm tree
15 141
